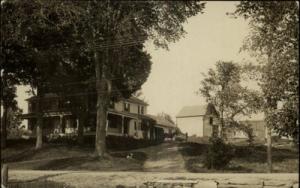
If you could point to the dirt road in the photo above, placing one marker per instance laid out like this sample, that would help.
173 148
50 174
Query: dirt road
164 158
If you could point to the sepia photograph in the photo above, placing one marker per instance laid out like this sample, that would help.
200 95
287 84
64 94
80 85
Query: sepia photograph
149 94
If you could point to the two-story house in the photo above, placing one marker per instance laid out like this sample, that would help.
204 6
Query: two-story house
127 117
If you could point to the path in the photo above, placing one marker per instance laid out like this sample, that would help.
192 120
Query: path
165 157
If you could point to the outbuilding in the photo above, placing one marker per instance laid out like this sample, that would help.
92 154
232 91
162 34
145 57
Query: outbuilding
199 121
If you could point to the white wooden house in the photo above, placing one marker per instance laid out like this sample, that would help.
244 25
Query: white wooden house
199 121
127 117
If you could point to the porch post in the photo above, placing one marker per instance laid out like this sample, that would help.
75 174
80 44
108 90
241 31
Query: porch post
60 123
122 126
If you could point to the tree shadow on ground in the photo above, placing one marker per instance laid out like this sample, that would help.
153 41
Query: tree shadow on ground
196 165
194 155
192 149
258 154
121 161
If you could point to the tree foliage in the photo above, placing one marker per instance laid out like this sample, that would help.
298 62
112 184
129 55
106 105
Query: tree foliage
274 40
115 25
106 36
222 87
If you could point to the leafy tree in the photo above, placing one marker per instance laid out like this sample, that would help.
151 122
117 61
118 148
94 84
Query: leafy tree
222 87
112 33
9 104
116 24
34 33
14 63
274 40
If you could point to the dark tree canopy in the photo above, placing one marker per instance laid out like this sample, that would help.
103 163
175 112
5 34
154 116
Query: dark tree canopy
100 40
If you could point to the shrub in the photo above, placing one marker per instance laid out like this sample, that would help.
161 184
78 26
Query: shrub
218 154
248 130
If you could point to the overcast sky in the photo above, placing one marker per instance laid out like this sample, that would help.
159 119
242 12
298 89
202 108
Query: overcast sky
176 74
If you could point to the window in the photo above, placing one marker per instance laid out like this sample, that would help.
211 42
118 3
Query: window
126 107
142 109
211 120
135 126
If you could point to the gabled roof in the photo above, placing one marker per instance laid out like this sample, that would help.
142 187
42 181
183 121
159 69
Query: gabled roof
197 110
136 100
161 121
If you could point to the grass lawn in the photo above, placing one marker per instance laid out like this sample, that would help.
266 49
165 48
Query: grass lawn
22 155
166 157
246 159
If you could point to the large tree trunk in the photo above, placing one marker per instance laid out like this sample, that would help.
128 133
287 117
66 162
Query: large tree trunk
81 122
3 120
269 148
101 107
39 122
4 126
83 119
270 110
221 125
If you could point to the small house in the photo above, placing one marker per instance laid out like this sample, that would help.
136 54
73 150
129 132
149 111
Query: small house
199 120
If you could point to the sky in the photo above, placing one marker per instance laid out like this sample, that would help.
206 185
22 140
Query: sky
176 74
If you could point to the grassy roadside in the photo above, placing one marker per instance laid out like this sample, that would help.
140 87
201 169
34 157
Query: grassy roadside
246 159
22 155
167 157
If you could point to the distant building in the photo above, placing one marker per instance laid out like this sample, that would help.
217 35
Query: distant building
258 124
168 127
199 121
203 121
254 121
126 117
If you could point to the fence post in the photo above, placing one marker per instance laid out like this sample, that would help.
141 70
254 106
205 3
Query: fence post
4 176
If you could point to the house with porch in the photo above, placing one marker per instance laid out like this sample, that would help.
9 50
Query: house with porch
168 127
126 117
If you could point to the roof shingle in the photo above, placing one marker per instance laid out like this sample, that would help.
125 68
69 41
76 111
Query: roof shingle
198 110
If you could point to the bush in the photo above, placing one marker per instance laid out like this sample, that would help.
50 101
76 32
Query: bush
218 155
17 132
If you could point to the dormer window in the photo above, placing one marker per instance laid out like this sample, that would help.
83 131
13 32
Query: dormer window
126 107
140 109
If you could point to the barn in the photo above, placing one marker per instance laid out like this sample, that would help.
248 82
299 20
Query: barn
198 120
